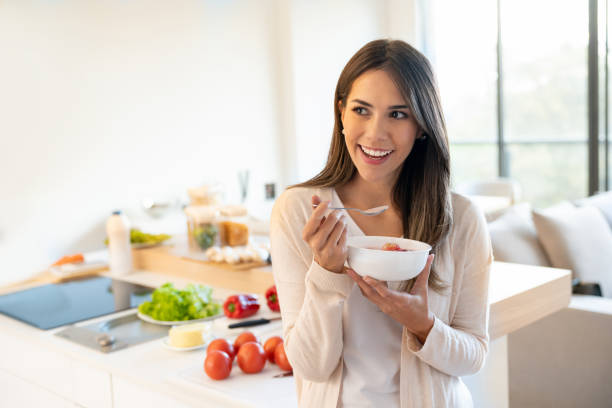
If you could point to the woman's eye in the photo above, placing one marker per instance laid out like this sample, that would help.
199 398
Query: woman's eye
360 110
398 115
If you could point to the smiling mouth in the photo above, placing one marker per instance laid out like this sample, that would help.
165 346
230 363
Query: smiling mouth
375 154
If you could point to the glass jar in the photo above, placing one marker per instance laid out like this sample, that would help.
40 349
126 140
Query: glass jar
233 228
202 227
206 195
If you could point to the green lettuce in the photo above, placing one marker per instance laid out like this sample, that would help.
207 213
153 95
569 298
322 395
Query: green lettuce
171 304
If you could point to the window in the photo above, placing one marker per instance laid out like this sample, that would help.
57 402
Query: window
465 61
514 85
544 88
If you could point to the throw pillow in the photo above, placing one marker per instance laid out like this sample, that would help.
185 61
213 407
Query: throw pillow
602 201
514 237
577 238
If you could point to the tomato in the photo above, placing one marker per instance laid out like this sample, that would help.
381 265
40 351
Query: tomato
222 345
281 358
270 345
217 365
244 337
251 357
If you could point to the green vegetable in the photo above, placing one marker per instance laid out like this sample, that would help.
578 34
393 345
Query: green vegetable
171 304
205 236
139 237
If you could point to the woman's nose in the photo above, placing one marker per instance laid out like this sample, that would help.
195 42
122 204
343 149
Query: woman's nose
376 128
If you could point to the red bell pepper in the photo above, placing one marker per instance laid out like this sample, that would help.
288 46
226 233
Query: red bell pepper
272 298
239 306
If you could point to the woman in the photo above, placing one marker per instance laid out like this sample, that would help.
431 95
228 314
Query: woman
356 341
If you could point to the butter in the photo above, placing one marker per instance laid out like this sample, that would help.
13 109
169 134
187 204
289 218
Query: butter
188 335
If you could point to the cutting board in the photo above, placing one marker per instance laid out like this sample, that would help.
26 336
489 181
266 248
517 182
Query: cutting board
182 250
243 390
240 389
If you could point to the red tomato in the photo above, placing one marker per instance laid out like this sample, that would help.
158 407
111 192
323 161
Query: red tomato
251 357
281 358
244 337
217 365
222 345
270 345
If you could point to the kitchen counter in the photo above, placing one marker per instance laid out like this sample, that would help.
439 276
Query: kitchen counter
518 294
36 364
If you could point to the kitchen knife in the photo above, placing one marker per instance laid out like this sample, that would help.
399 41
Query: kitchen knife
249 323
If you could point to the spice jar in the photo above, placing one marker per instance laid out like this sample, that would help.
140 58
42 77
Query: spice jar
233 229
202 227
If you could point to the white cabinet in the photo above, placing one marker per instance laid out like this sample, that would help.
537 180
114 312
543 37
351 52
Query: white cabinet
17 392
47 370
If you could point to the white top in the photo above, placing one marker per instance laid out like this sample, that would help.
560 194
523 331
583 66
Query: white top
312 302
369 380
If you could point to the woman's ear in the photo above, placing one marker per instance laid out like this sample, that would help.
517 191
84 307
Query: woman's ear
341 109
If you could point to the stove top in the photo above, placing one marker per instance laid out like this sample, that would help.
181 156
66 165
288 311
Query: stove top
54 305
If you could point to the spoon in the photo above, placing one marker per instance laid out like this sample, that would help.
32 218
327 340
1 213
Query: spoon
369 211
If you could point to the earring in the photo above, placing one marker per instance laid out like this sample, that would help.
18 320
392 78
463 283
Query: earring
423 136
344 132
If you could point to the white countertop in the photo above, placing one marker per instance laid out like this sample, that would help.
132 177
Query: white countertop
518 296
154 366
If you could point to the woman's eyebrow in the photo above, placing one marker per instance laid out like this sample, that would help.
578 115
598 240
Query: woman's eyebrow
362 102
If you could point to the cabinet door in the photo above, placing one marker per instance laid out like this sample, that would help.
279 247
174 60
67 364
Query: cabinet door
91 386
56 372
20 393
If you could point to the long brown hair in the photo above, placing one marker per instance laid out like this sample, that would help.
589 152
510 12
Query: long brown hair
422 190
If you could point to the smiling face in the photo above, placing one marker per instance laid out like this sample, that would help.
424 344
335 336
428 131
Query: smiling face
379 129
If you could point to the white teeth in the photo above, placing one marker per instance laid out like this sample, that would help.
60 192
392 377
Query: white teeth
375 153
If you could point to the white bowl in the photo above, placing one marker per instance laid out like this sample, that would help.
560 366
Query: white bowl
387 265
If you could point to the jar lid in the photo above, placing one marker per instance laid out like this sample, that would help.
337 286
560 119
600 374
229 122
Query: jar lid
204 195
233 210
201 213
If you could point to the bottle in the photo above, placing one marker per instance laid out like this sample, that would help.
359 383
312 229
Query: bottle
119 247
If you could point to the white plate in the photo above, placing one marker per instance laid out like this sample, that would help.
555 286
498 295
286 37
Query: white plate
142 245
208 337
149 319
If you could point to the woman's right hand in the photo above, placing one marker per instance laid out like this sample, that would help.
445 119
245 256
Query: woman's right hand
326 236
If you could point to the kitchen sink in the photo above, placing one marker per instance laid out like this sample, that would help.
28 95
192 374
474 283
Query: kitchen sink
114 334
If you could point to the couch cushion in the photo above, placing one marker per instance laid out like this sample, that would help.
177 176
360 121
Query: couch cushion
602 201
514 237
577 238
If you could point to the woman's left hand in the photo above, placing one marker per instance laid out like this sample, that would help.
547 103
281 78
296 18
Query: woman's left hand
410 309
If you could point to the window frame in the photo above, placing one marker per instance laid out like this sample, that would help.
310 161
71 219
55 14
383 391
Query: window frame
595 141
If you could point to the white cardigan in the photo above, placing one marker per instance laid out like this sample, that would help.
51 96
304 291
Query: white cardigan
312 301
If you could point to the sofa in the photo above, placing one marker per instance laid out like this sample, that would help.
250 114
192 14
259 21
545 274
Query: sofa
565 359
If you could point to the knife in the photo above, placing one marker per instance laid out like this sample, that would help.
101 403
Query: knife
249 323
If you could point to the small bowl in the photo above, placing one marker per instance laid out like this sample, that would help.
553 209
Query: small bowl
387 265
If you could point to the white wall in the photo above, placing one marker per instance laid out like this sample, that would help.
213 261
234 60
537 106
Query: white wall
325 36
105 103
